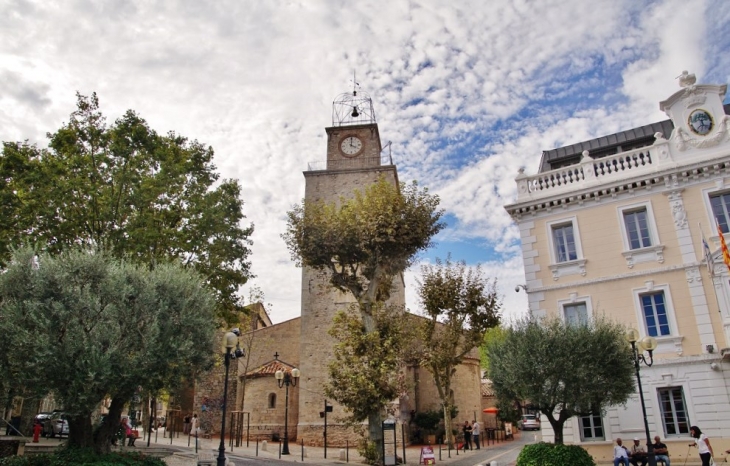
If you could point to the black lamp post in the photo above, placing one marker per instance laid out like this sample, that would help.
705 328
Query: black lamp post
638 347
287 378
230 341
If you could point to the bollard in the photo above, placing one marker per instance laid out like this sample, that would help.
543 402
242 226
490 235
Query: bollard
342 454
264 445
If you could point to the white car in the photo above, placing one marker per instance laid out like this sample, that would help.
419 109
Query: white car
529 422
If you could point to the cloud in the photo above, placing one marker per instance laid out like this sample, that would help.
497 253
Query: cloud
467 91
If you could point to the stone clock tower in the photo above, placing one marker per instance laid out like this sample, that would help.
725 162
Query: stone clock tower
354 160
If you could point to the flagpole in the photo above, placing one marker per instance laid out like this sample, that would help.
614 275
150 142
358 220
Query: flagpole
710 266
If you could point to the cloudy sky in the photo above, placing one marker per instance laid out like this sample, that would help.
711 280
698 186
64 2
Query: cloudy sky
467 91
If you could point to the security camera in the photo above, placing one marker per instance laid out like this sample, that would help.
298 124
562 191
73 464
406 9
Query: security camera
517 289
238 353
236 331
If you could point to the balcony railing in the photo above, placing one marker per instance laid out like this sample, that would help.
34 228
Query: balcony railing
591 171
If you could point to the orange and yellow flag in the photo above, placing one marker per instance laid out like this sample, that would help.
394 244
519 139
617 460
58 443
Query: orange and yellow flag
723 247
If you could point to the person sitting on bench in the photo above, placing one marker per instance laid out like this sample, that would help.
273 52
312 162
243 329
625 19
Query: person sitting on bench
620 454
661 451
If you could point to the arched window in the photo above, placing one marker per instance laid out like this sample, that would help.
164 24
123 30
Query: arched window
272 400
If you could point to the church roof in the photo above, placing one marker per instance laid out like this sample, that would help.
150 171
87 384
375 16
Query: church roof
269 369
487 389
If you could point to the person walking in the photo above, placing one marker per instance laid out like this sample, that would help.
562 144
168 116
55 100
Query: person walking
703 445
475 431
661 451
467 435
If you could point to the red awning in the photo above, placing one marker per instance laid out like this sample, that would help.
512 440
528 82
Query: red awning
490 410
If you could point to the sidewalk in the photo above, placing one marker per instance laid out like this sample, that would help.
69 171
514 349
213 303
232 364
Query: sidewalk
180 451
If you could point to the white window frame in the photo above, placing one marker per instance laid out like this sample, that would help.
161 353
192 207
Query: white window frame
687 407
571 267
655 252
591 439
575 299
719 190
666 343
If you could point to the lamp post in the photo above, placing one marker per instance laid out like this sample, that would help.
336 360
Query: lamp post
285 379
638 347
230 341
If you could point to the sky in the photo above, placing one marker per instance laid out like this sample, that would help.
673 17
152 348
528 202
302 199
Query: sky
467 92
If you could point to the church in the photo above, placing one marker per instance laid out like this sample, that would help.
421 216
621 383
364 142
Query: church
355 158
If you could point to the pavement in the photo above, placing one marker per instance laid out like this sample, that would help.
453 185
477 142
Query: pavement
181 451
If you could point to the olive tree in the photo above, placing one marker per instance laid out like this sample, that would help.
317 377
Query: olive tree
562 369
86 325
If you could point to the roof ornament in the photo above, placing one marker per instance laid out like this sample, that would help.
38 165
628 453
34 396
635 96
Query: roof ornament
353 108
686 79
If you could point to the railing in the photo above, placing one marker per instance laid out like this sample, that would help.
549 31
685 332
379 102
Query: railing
589 171
350 164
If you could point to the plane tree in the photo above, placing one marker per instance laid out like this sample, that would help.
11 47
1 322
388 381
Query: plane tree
459 305
141 195
562 369
363 243
86 325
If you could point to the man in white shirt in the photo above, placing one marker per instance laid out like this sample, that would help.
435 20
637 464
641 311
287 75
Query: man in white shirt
620 454
475 431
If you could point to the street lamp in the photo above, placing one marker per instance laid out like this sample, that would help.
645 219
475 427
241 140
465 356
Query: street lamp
638 347
230 341
287 378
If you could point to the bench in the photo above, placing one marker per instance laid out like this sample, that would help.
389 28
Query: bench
205 458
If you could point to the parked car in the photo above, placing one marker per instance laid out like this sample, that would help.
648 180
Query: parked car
57 424
41 417
529 422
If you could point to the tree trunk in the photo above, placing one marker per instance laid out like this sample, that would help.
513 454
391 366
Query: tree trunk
375 432
80 431
557 425
448 425
104 434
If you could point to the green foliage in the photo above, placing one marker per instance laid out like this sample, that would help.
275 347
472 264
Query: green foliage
550 454
108 326
428 420
141 195
493 334
364 373
364 242
508 411
460 305
368 451
563 369
74 457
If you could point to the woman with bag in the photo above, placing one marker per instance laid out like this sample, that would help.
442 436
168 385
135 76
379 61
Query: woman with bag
703 445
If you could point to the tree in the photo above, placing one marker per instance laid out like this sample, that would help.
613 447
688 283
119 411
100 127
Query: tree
86 325
138 194
363 243
563 369
460 305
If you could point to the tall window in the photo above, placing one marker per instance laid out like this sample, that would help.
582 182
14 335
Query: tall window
637 229
673 411
576 314
564 241
720 207
272 400
654 308
591 428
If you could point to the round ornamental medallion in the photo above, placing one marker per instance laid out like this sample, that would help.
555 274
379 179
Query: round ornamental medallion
700 121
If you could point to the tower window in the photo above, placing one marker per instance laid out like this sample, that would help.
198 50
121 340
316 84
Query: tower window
272 400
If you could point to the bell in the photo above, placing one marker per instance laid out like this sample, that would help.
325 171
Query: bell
355 113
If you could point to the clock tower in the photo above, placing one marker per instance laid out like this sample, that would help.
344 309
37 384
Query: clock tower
354 161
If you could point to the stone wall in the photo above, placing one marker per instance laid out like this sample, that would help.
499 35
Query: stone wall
208 400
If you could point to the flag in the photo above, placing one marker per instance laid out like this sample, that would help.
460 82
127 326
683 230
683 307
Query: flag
723 247
708 256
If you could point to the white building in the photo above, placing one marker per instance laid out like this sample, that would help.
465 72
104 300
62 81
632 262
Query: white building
612 226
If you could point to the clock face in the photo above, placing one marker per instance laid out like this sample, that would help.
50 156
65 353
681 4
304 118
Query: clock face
700 121
351 146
